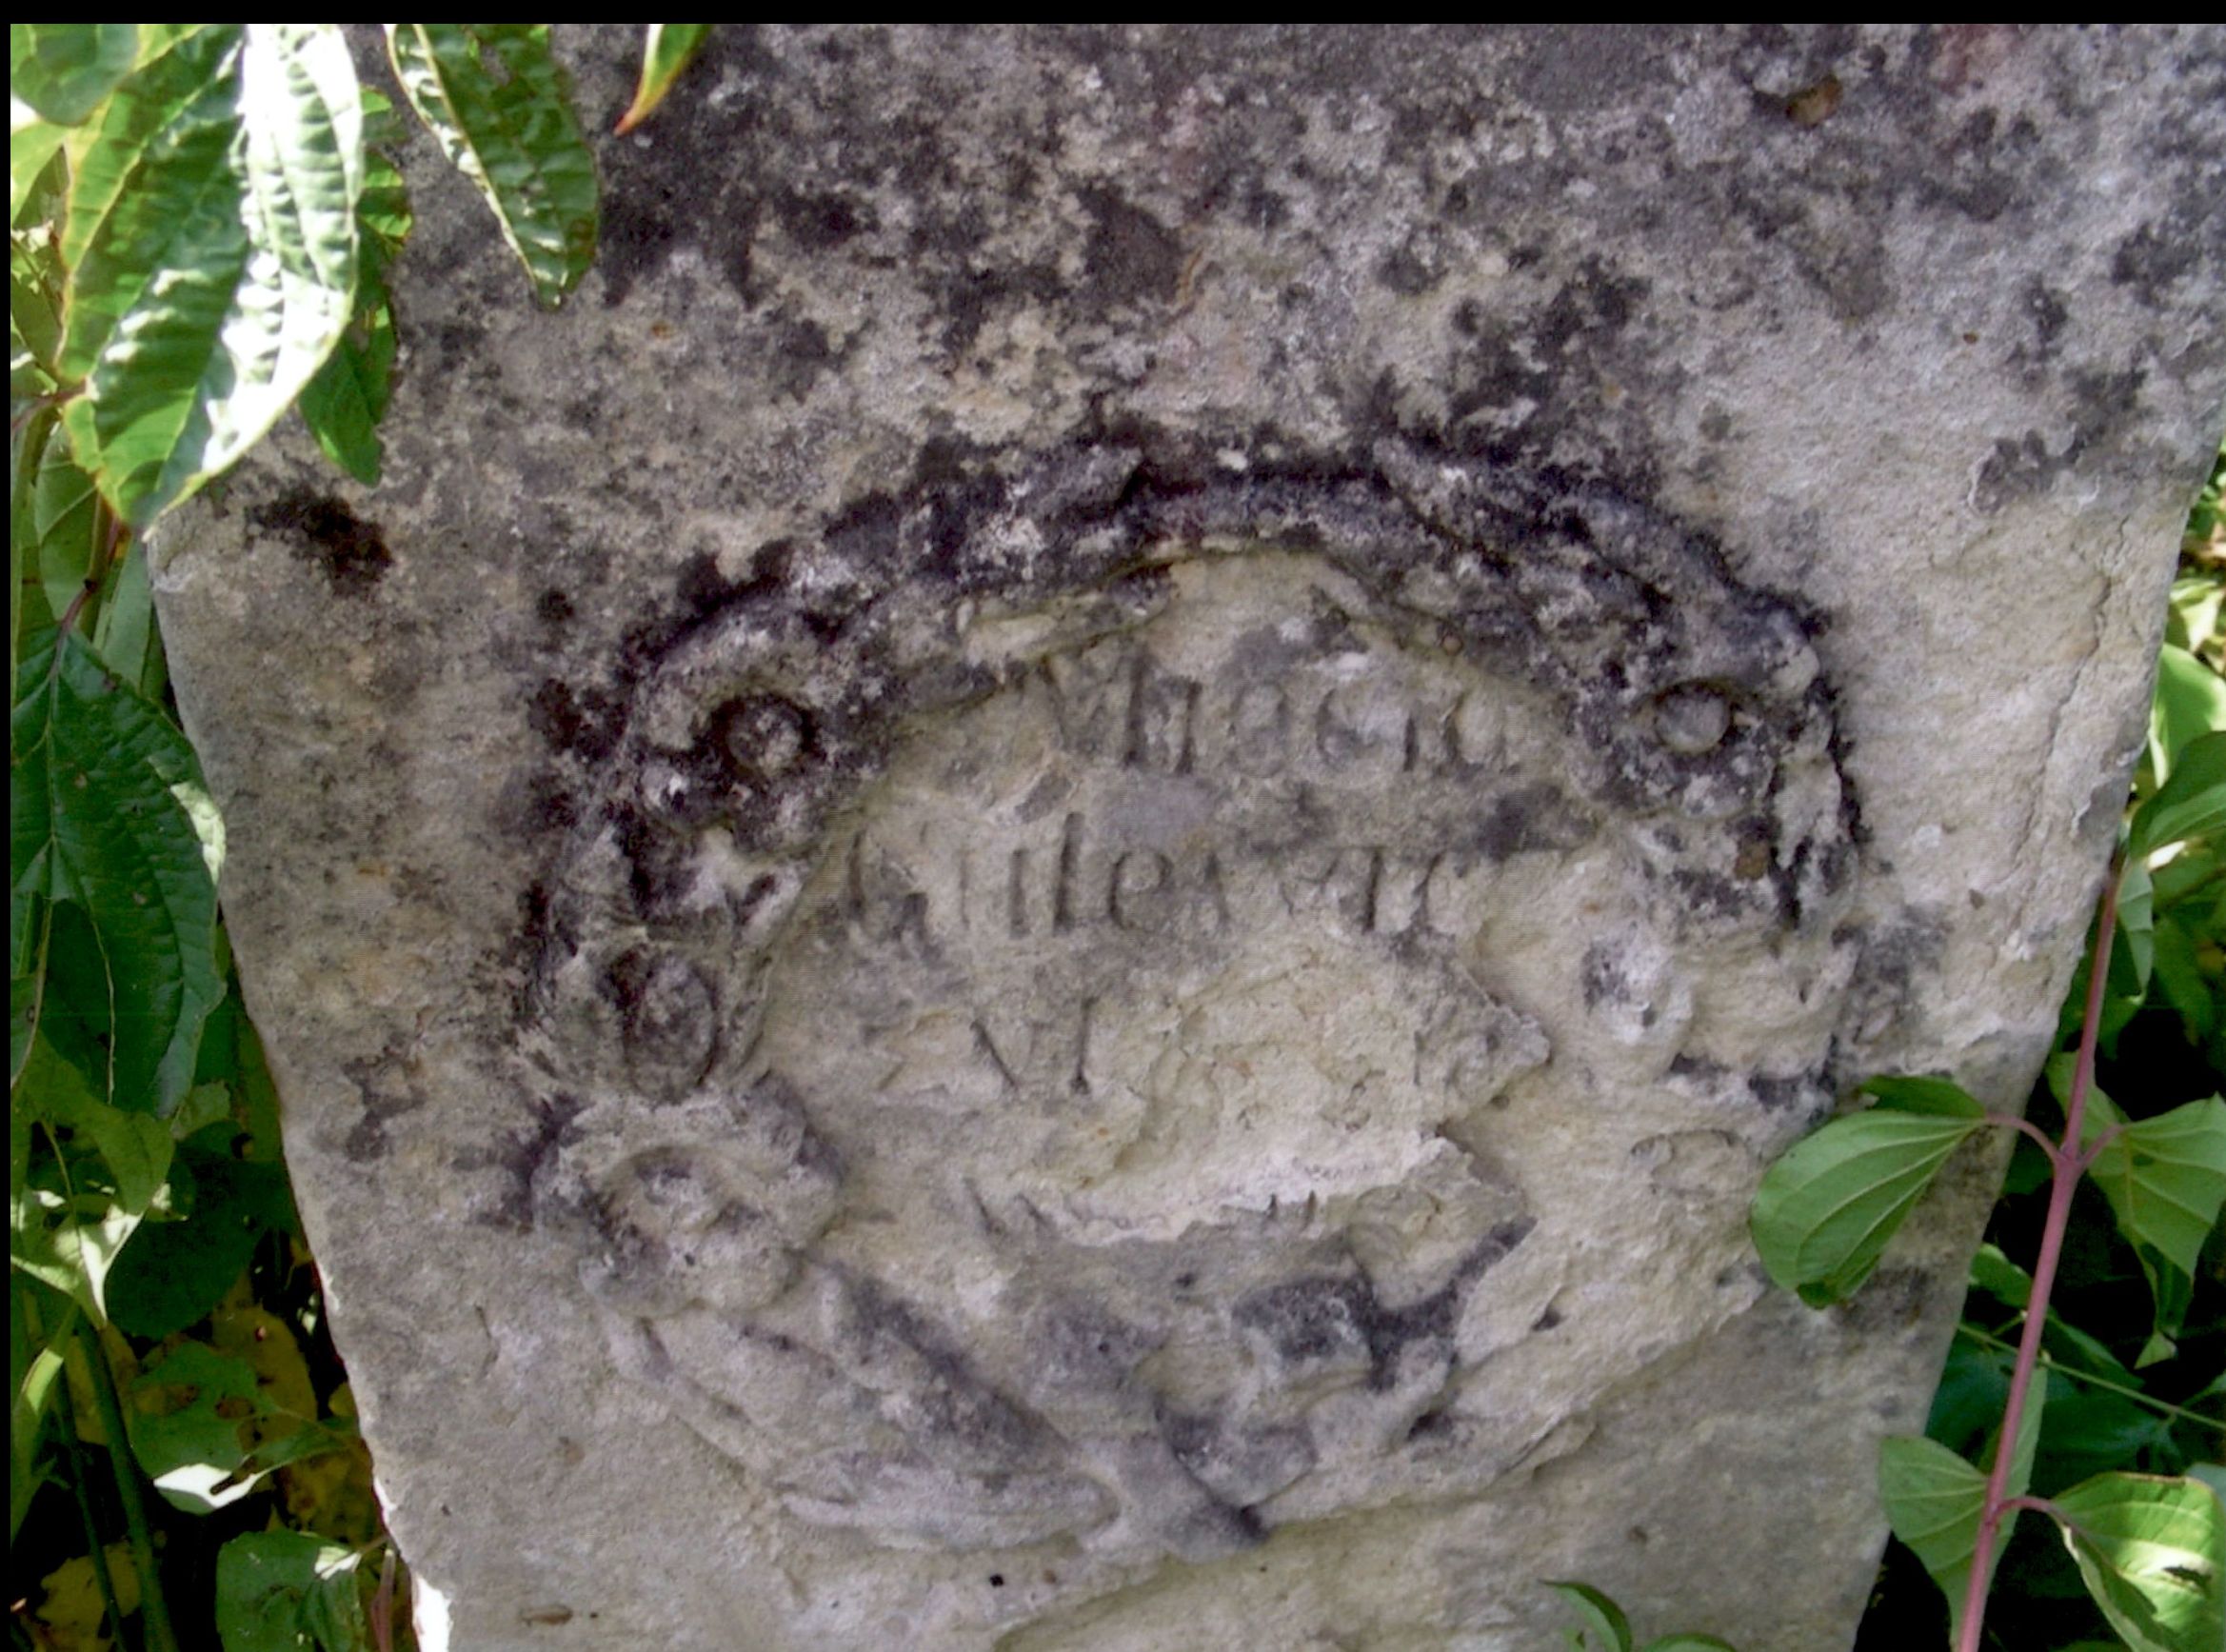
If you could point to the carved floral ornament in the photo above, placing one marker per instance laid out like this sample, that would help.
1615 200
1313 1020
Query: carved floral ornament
1097 1028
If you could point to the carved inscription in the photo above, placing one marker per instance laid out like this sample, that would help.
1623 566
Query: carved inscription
1137 1091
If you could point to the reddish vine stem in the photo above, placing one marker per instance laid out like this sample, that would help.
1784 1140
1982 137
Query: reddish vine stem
2070 1164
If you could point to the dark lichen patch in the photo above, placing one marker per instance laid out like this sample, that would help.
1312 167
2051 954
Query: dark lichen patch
819 222
1131 257
2018 467
799 353
2151 259
521 1155
322 529
554 608
1527 820
1333 1320
386 1093
569 721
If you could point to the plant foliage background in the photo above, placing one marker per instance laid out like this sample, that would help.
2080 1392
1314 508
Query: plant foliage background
201 221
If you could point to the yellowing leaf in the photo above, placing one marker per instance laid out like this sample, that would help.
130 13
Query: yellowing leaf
73 1611
666 50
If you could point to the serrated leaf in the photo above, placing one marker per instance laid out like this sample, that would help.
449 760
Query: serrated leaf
211 247
125 635
514 136
103 815
62 71
1603 1618
344 404
1826 1209
667 50
2191 804
66 518
2165 1176
285 1591
1934 1499
2152 1553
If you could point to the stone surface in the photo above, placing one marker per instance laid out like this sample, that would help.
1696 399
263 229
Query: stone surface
1056 887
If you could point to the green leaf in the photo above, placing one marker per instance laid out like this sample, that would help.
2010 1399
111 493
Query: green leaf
211 247
1934 1499
2194 614
1603 1618
2153 1552
1934 1098
666 51
108 812
34 1361
68 1244
498 104
30 147
2091 1429
135 1147
66 516
125 634
2191 703
2181 977
1995 1274
62 71
1973 1386
2165 1176
1689 1644
344 404
2191 804
287 1591
2135 951
171 1273
1826 1209
184 1426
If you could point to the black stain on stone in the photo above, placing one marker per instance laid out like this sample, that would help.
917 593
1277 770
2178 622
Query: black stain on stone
554 608
2018 468
387 1094
1532 818
1407 270
863 533
2150 260
1329 1318
799 354
322 529
520 1156
1131 257
819 223
571 721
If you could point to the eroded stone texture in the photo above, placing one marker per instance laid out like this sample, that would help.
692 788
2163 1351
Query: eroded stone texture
1055 890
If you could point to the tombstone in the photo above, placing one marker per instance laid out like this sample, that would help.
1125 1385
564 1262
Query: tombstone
1056 887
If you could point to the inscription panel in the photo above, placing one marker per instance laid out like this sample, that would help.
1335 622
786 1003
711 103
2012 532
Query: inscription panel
1190 1048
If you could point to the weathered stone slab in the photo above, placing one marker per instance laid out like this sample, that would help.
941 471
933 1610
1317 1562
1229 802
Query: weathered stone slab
1055 890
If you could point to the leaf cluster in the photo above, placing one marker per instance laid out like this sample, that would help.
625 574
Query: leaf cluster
2117 1431
203 218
